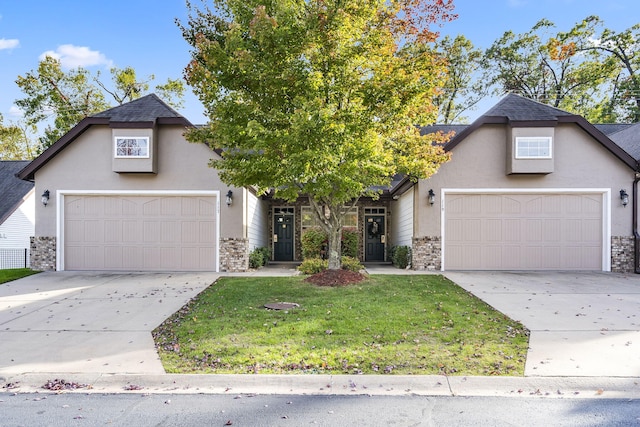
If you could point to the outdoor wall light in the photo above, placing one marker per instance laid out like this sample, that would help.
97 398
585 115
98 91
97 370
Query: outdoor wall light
229 197
624 197
45 198
431 197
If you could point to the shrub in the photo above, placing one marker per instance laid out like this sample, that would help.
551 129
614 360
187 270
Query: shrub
313 265
313 240
351 264
350 242
401 256
259 257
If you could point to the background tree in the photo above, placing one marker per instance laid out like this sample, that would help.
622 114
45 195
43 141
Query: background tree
15 141
60 99
318 97
547 67
621 49
463 88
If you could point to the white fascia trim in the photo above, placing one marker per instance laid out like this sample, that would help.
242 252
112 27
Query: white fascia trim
606 212
60 212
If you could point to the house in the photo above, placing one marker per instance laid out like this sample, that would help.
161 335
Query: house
17 215
528 187
128 192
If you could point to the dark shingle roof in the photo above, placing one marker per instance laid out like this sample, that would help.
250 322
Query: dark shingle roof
148 108
13 188
143 112
456 129
518 108
629 140
611 128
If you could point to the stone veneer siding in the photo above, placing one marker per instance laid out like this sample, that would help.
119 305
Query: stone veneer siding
426 253
43 253
234 255
622 254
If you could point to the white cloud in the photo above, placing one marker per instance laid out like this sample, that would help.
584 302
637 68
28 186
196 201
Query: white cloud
9 43
71 56
15 111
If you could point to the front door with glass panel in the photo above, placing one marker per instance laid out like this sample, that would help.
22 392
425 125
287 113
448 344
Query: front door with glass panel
374 234
283 234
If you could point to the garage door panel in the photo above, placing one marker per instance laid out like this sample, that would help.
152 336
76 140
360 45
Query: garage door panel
153 233
549 231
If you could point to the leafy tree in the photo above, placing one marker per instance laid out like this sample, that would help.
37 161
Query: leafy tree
318 97
61 99
15 143
547 67
623 50
463 88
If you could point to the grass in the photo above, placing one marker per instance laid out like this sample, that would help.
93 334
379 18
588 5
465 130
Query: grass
15 273
386 324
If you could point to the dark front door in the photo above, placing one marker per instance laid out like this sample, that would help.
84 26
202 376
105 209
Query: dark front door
283 237
374 238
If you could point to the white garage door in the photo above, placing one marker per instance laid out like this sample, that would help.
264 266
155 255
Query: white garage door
140 233
523 232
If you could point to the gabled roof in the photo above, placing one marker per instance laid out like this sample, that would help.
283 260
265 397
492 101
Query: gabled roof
629 139
518 111
611 128
144 112
13 189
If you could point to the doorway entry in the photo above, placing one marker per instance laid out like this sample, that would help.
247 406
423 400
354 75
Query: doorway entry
283 235
374 234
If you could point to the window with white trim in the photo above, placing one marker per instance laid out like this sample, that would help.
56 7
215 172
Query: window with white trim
309 218
533 147
132 146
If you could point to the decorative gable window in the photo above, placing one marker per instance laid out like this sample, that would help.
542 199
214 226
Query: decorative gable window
137 147
533 147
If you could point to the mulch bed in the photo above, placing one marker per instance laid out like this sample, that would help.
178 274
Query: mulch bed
335 278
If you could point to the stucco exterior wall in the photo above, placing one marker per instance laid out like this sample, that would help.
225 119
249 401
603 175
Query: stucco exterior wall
86 164
480 162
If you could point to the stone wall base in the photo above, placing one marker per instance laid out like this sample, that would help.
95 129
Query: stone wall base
622 254
234 255
43 253
426 253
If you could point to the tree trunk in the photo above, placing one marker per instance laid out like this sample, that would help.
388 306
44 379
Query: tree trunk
335 249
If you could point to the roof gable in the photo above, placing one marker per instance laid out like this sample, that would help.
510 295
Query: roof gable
518 111
143 112
14 190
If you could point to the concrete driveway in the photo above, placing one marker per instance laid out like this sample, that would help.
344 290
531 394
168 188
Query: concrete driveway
582 324
89 322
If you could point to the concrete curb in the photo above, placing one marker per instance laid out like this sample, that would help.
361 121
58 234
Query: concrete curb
326 385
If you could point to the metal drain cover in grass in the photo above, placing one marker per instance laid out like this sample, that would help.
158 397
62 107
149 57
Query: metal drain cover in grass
281 305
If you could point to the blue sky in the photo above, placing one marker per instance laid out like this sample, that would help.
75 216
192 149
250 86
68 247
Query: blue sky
143 34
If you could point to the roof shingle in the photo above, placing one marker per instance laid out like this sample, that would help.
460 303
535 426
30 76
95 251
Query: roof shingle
13 188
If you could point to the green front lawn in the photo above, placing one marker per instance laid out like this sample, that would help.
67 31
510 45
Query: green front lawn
422 324
15 273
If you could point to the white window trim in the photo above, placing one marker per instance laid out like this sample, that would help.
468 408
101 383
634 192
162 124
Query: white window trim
520 139
606 213
115 147
60 195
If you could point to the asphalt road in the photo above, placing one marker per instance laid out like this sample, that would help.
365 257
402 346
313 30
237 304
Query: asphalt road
77 409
